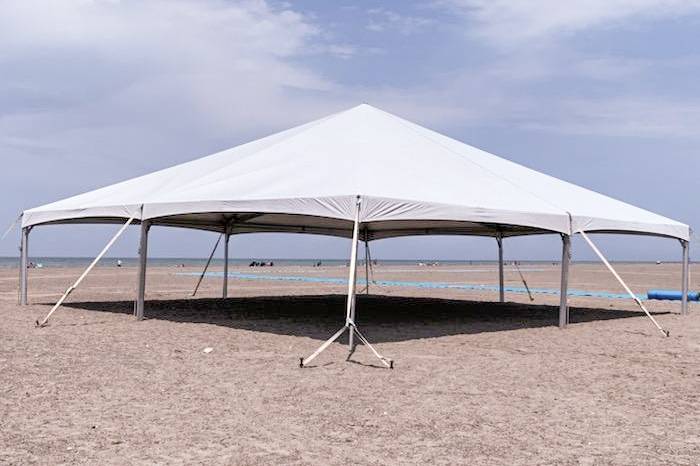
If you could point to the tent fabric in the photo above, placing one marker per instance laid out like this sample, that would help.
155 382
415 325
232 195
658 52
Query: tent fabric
410 180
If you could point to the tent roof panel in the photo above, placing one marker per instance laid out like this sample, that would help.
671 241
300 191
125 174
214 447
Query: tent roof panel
402 171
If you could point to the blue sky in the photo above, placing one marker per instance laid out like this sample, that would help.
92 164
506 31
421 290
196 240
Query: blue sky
602 93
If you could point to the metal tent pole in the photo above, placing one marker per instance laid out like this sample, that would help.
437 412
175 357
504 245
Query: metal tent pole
624 285
206 266
685 277
366 264
143 254
225 292
350 308
85 273
522 278
23 264
501 281
352 278
563 293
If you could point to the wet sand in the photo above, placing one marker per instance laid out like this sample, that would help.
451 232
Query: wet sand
476 382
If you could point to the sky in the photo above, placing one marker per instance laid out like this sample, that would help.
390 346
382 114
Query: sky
602 93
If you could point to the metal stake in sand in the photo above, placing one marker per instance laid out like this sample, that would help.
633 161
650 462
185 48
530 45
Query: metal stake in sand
624 285
349 313
87 271
199 282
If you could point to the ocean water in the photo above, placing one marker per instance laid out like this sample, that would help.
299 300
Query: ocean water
53 262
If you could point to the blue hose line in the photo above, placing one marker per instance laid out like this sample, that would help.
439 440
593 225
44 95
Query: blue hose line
430 285
672 295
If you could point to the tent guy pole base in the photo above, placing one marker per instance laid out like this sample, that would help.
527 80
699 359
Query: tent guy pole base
349 326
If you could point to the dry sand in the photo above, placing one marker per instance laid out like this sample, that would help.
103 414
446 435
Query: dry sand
474 383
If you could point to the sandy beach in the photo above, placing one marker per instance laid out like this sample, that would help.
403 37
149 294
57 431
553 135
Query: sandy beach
476 382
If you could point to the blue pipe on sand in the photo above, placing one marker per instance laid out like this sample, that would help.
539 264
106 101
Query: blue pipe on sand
672 295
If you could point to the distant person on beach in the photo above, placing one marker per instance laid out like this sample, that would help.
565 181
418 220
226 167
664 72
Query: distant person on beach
119 262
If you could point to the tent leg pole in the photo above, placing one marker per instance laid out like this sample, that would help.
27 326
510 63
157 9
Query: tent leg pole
143 254
350 309
225 291
564 298
366 265
685 277
352 277
23 266
501 281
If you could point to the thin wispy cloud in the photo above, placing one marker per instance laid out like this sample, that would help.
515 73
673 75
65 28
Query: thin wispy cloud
381 19
510 22
541 73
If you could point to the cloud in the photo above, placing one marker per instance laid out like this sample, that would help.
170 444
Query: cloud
219 66
645 117
540 71
510 22
381 20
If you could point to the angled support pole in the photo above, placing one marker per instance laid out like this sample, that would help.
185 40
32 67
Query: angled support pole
522 279
87 271
143 256
23 266
624 285
350 326
685 277
501 280
564 291
206 266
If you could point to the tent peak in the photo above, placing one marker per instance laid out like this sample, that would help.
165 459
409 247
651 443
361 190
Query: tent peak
364 106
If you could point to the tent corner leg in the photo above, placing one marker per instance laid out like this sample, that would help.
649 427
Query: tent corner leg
143 254
564 298
225 285
685 277
501 279
24 266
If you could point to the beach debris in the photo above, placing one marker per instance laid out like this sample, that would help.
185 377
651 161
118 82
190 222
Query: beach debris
208 350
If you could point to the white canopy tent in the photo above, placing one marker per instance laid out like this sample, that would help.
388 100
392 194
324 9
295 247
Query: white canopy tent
362 171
